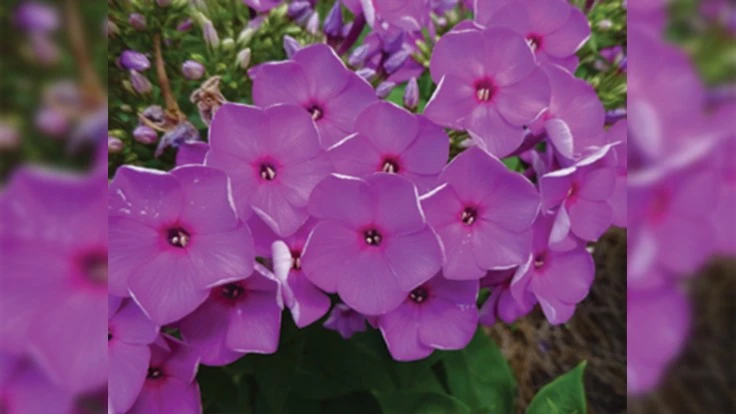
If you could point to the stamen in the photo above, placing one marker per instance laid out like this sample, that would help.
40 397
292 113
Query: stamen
296 261
316 112
484 90
372 237
109 336
154 373
268 172
178 237
419 294
94 268
534 41
232 291
469 215
539 260
390 167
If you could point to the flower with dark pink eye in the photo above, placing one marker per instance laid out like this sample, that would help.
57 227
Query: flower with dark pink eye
534 41
267 172
372 237
468 216
232 291
419 295
315 111
94 268
177 237
484 90
154 373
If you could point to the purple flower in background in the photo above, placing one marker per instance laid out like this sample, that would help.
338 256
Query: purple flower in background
132 60
411 94
182 133
316 79
298 10
191 153
239 317
333 22
25 389
44 49
618 200
439 314
554 29
305 301
312 26
185 25
52 305
558 280
129 334
409 15
114 145
262 5
32 16
372 244
9 136
345 321
575 116
657 324
138 21
192 70
209 33
140 82
145 134
392 140
489 84
383 90
170 386
482 213
51 122
274 160
174 236
723 156
502 305
581 192
291 46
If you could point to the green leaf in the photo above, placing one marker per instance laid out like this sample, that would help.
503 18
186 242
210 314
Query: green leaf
355 403
274 374
419 402
480 376
219 391
512 163
566 394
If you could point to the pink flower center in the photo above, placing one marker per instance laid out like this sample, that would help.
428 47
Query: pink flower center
109 337
372 237
419 295
232 291
468 216
390 166
534 41
177 237
296 260
316 112
267 172
539 260
154 373
484 90
94 268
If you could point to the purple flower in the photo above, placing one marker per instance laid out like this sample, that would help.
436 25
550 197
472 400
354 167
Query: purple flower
44 48
239 317
262 5
129 334
183 132
383 90
657 325
312 25
618 199
32 16
409 15
114 145
25 389
575 116
297 10
345 321
316 79
482 213
138 21
581 192
170 386
211 38
390 139
51 122
191 153
291 46
9 136
243 58
140 82
554 29
501 304
52 305
333 21
396 61
372 244
185 25
192 70
411 94
439 314
130 59
306 302
274 160
489 84
145 134
174 236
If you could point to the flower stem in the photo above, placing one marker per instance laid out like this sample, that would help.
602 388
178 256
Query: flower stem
355 30
94 93
172 108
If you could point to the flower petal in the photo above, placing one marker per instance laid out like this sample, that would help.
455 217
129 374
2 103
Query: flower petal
221 257
445 325
452 102
570 37
397 208
131 245
239 130
207 207
325 73
492 133
460 263
413 258
255 324
521 102
327 253
589 219
391 129
127 369
148 196
369 286
495 247
280 82
329 197
400 330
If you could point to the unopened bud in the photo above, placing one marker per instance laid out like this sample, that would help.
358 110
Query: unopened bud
411 94
145 134
192 69
384 89
333 21
291 46
210 34
138 21
114 145
243 58
140 82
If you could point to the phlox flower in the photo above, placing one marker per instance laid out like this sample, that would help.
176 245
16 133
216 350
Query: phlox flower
489 84
345 321
393 140
273 159
305 301
25 389
238 317
483 213
502 305
129 334
192 153
723 156
558 280
554 29
262 5
317 80
53 256
173 236
581 192
372 244
170 386
617 133
409 15
439 314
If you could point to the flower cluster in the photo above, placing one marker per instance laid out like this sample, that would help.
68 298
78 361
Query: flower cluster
324 199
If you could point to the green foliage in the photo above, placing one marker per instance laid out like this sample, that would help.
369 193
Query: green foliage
564 395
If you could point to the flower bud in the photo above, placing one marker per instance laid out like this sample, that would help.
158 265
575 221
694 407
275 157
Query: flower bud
411 94
130 59
192 69
228 43
395 61
9 136
291 46
145 134
298 9
210 34
392 42
111 29
44 49
140 82
185 25
114 145
333 21
366 73
51 122
243 58
208 99
183 132
138 21
384 89
154 113
313 23
245 36
163 3
359 55
36 17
